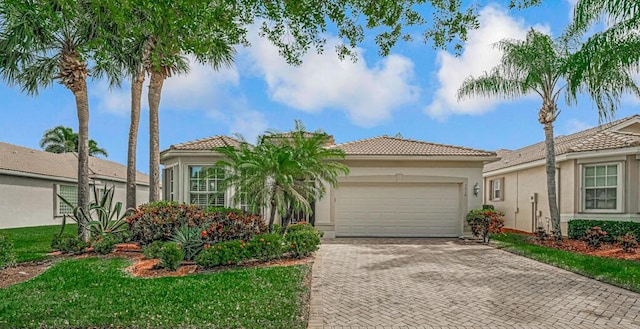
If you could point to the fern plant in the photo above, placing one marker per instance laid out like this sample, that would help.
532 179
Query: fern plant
189 238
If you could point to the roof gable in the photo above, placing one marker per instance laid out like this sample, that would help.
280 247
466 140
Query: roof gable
393 146
617 134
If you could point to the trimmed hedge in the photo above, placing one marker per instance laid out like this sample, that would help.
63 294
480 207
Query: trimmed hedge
578 228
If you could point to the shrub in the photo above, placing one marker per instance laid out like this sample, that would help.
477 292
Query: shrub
301 243
224 253
628 242
189 239
485 222
153 249
7 254
69 244
594 236
224 211
301 226
160 220
266 246
104 244
577 227
171 256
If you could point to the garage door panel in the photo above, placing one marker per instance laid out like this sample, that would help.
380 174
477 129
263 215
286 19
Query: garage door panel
398 210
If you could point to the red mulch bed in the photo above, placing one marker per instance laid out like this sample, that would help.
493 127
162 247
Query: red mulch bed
610 250
141 267
513 230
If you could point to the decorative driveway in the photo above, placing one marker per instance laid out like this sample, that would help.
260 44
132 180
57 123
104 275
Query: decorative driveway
438 283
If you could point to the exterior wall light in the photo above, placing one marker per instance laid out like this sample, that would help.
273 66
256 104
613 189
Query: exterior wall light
476 189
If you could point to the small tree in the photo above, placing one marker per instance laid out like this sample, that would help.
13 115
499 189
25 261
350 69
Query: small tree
485 222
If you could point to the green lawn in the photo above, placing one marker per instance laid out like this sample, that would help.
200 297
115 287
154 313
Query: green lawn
33 243
96 292
623 273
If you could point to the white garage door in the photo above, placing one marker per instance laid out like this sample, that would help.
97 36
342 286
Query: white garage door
396 210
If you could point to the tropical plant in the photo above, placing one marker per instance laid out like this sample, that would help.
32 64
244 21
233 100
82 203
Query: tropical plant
302 243
284 172
545 67
62 140
72 245
614 46
266 246
153 249
485 223
594 236
103 215
224 253
104 244
43 41
189 239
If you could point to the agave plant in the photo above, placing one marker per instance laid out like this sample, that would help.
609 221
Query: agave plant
103 215
189 239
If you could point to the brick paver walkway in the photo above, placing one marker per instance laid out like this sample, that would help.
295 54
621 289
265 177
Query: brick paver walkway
406 283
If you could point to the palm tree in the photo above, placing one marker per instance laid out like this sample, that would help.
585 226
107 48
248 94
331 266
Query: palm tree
618 45
284 172
43 41
544 67
63 139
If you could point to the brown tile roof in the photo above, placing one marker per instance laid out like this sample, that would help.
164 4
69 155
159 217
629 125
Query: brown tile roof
593 139
385 145
26 160
289 134
206 144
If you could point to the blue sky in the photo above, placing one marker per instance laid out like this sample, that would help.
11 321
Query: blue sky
411 92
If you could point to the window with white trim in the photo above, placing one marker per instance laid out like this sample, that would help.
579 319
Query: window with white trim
496 189
69 193
167 177
601 187
206 186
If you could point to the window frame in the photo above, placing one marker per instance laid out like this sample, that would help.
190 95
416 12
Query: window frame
619 187
218 180
492 189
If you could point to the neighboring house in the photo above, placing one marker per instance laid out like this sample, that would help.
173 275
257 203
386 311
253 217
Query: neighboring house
31 179
396 187
597 177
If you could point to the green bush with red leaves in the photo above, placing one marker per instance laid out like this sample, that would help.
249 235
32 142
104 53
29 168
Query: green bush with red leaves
223 253
485 222
266 246
158 221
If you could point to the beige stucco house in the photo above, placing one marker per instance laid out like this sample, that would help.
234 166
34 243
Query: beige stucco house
30 180
396 187
597 173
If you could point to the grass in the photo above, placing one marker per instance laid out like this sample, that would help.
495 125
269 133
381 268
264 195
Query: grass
96 292
33 243
622 273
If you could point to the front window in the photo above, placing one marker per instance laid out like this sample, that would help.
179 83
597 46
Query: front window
206 186
496 189
601 184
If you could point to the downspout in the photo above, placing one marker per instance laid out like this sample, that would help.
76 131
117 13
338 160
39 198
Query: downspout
558 197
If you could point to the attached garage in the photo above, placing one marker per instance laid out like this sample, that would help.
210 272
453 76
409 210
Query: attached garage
398 210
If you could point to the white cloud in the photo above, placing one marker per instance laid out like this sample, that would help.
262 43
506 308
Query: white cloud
241 119
200 89
479 56
367 93
575 125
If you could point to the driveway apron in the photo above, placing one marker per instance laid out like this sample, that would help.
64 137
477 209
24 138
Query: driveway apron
439 283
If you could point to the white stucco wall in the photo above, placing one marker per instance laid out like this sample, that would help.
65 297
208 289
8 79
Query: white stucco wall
29 201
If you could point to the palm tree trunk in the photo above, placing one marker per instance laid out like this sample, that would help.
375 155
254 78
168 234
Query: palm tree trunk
272 215
136 95
155 90
82 105
551 180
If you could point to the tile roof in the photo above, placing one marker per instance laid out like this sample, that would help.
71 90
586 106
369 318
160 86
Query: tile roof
385 145
206 144
593 139
26 160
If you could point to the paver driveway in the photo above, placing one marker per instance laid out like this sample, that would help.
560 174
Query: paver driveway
406 283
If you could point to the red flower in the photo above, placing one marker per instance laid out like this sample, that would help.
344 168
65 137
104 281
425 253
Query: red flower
206 246
204 233
228 262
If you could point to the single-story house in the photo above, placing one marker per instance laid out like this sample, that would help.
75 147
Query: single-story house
31 179
396 187
597 177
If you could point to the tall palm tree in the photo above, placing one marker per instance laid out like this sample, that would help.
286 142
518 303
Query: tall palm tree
542 66
284 171
42 41
63 139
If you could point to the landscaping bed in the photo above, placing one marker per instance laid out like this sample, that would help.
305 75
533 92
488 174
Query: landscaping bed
609 250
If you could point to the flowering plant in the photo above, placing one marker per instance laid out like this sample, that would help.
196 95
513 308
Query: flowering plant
485 222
